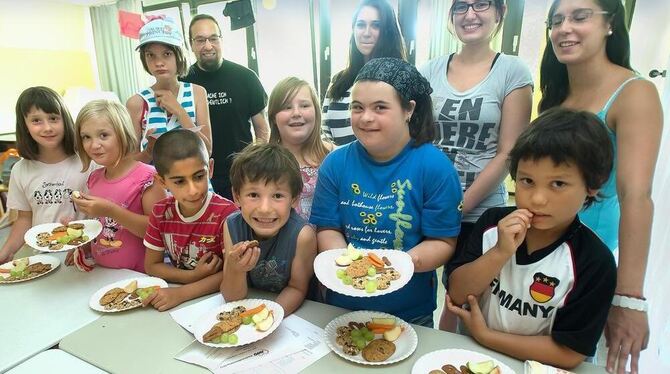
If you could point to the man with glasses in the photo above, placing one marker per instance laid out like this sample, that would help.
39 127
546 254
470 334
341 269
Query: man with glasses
234 94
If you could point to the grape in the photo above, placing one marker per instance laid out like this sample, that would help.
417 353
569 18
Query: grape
371 286
369 336
347 280
360 343
232 339
364 330
217 340
340 273
247 320
355 333
224 338
372 272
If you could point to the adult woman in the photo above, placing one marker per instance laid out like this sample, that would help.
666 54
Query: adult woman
375 33
482 103
407 188
586 66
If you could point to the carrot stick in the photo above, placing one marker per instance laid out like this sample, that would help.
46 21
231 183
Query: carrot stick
376 326
379 331
375 260
251 312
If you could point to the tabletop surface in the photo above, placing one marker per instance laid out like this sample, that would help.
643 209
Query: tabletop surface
144 340
55 361
37 314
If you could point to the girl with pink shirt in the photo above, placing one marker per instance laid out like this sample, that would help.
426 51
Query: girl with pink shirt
121 194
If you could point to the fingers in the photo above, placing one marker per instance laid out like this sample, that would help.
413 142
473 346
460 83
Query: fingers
69 259
150 299
612 353
635 357
623 357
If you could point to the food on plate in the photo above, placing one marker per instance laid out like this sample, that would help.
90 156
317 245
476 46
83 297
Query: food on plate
358 337
22 269
393 334
482 367
131 287
365 272
145 292
72 234
378 350
230 321
130 296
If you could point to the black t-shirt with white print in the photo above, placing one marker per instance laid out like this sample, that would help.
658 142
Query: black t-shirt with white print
563 290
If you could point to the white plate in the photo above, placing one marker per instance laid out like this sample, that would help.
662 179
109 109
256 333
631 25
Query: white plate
94 301
33 259
92 229
246 333
325 269
404 345
457 357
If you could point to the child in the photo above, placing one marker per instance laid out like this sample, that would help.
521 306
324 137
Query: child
168 104
121 193
188 224
540 285
393 174
41 183
266 183
295 124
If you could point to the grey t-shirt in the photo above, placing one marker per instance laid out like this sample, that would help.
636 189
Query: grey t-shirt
273 270
468 122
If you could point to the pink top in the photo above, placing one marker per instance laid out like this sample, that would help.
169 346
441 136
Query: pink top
304 206
116 247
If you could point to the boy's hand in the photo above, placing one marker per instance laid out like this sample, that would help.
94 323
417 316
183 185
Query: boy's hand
512 230
473 318
93 206
69 259
164 299
207 265
243 256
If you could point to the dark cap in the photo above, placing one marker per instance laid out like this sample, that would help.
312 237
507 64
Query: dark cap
403 76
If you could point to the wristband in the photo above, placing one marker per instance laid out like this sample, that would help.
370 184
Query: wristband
630 303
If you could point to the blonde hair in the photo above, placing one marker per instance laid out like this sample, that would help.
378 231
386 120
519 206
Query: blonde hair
116 115
313 149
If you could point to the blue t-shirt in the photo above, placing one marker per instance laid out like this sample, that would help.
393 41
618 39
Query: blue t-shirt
389 205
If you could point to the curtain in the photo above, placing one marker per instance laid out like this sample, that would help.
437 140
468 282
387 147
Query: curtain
119 65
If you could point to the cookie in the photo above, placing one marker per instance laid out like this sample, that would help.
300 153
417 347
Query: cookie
393 273
351 349
343 340
343 330
383 283
450 369
378 350
59 229
43 242
110 296
43 236
358 268
359 283
76 226
56 247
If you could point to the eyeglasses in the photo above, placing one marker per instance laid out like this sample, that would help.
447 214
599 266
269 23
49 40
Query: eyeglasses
577 17
461 7
213 40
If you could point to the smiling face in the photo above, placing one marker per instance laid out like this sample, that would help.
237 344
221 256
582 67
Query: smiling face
46 129
553 193
366 30
265 207
378 119
100 142
187 181
208 54
160 60
295 120
475 26
582 34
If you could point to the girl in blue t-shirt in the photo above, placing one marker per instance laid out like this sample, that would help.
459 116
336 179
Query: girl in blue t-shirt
394 173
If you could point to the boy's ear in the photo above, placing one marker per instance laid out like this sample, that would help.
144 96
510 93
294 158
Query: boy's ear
236 198
211 168
592 192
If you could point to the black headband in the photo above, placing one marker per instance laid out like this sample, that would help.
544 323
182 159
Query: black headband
403 76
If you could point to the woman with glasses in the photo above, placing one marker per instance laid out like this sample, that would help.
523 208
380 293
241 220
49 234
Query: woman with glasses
375 33
168 104
586 66
482 102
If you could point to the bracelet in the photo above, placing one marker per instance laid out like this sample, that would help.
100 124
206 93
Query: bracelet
630 303
630 295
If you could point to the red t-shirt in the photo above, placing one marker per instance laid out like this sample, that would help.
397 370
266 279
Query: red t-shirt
188 238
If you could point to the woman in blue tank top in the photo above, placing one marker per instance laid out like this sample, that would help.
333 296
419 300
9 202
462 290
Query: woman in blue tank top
586 66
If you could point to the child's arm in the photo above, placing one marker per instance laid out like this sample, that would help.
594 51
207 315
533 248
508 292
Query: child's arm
168 101
522 347
473 278
168 298
330 239
238 260
302 269
209 264
15 240
432 253
202 116
135 106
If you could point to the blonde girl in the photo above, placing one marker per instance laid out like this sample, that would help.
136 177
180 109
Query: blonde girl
41 183
294 123
121 194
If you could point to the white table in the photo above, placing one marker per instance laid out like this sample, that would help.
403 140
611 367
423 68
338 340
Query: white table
55 361
35 315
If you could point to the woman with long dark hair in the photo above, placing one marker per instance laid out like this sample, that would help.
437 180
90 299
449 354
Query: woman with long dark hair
586 66
374 33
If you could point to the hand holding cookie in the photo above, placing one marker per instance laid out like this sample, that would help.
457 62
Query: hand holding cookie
93 206
207 265
512 230
243 256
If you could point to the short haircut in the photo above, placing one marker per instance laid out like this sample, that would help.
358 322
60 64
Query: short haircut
182 64
568 137
266 162
177 145
116 115
197 18
50 102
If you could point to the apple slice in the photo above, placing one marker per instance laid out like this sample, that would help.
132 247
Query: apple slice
265 324
393 334
383 321
260 316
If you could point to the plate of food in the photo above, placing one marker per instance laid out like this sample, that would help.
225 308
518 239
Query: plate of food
361 273
124 295
459 361
238 323
54 237
371 338
27 268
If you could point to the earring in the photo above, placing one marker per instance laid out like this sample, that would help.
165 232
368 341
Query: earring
609 32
